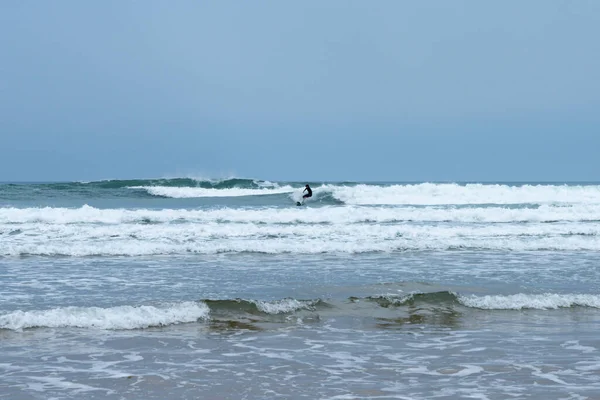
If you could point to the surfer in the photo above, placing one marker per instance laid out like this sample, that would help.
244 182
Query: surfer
309 192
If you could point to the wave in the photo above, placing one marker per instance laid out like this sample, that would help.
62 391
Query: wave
122 317
453 193
417 194
258 307
545 301
140 317
89 231
378 194
412 299
146 240
194 192
100 188
292 215
236 311
175 183
520 301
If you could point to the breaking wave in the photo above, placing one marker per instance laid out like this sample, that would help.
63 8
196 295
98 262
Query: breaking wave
453 193
520 301
88 231
122 317
284 310
292 215
192 192
174 183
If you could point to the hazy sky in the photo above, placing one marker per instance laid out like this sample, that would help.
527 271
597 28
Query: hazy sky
319 90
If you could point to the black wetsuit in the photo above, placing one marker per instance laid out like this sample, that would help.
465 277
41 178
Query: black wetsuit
309 194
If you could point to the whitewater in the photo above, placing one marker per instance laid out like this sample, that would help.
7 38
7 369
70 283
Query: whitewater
207 288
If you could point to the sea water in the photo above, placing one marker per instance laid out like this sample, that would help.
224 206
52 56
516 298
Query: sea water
225 289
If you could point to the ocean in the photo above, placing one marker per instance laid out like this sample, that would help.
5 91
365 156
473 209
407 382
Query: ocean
225 289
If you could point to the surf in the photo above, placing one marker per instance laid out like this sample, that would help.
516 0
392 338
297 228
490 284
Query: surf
423 307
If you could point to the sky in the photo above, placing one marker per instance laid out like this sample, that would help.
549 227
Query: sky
462 90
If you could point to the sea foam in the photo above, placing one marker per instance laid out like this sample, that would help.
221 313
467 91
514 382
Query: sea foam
531 301
122 317
283 306
191 192
320 215
351 229
452 193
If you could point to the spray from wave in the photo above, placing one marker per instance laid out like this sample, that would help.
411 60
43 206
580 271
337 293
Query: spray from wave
194 192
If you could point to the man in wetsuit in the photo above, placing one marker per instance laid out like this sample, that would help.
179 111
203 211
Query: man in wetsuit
308 194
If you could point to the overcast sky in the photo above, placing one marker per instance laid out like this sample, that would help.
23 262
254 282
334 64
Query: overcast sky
311 90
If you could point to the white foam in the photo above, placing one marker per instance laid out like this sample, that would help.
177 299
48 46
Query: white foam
47 383
466 371
452 193
574 345
122 317
213 237
350 229
327 215
282 306
191 192
531 301
588 366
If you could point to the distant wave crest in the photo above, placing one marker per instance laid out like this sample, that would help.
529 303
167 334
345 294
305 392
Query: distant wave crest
192 192
180 183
